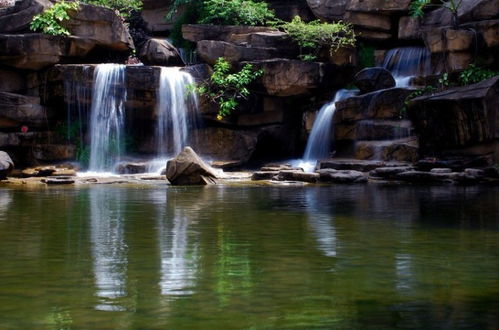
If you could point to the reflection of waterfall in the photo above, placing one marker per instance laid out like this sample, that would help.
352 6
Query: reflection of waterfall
5 200
178 258
177 110
319 141
321 224
407 62
107 116
403 268
109 250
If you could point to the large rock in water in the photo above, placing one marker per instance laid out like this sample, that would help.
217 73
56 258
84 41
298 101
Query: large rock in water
6 165
374 79
189 169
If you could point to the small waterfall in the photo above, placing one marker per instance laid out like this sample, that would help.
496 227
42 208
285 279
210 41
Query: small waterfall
107 117
319 141
407 62
176 115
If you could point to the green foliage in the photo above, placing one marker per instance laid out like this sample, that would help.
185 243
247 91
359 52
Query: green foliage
416 8
236 12
366 56
226 88
49 21
124 7
315 36
474 74
417 93
226 12
444 80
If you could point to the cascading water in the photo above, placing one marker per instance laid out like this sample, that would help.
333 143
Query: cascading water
319 141
107 117
176 114
406 62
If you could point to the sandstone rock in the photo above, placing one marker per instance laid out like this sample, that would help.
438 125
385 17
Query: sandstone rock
379 6
441 170
356 165
198 32
16 19
53 152
210 51
17 110
341 176
384 104
285 77
369 21
6 165
402 150
100 25
269 39
440 40
425 177
373 79
457 118
160 52
374 129
59 180
187 168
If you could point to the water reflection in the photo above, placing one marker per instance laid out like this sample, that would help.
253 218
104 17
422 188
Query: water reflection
179 258
321 223
109 249
5 200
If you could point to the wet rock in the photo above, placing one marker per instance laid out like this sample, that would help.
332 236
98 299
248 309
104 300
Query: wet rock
54 152
294 175
187 168
160 52
341 176
131 168
441 170
6 165
425 177
264 175
356 165
389 172
373 79
59 180
401 150
457 164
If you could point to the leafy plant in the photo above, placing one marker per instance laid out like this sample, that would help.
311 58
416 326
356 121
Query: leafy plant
226 12
417 7
313 37
417 93
124 7
227 88
444 80
49 21
474 74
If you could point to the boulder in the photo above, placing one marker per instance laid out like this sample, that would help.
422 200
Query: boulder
6 165
198 32
378 6
373 79
294 175
383 104
369 21
263 175
458 117
17 19
187 168
287 77
131 168
328 10
160 52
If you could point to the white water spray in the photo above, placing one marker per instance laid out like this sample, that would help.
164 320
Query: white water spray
407 62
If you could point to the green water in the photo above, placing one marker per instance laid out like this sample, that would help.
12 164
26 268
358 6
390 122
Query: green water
111 257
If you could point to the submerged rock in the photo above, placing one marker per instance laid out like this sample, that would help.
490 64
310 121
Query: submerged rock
6 165
187 168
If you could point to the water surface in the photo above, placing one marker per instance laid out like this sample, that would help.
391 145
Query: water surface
162 257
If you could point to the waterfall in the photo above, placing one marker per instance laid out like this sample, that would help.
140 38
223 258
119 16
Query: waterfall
407 62
107 117
319 141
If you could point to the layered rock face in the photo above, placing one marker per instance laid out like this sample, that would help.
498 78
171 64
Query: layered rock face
459 121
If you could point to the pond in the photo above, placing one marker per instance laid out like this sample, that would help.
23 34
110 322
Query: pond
157 257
